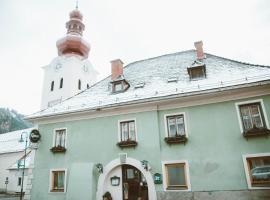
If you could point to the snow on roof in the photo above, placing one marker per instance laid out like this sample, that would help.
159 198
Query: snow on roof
9 142
155 72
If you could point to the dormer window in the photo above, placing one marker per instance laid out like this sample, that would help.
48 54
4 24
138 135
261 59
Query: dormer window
197 70
119 86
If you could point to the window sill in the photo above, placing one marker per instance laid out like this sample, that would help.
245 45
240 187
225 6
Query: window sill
57 190
58 149
127 144
176 139
171 188
256 132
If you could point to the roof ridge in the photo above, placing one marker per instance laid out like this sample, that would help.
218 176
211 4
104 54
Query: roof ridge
152 58
237 61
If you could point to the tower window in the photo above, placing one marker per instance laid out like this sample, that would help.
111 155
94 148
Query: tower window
52 85
79 84
61 83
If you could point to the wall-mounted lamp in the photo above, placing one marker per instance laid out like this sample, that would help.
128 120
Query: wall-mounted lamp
99 166
145 164
115 181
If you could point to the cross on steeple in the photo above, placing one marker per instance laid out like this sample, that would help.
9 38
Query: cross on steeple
77 3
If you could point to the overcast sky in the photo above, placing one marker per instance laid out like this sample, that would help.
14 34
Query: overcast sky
126 29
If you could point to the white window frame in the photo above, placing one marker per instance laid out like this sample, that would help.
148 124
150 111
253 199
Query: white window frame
164 177
54 135
51 177
238 104
173 114
119 128
245 157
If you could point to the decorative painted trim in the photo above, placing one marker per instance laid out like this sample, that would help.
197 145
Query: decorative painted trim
165 177
54 133
237 104
247 171
50 180
119 128
173 114
130 161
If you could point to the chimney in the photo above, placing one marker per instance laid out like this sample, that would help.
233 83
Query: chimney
117 68
199 49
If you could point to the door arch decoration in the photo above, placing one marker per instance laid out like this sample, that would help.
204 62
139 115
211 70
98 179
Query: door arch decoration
129 161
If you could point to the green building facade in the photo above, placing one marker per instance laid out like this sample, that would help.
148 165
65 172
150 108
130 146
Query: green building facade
187 125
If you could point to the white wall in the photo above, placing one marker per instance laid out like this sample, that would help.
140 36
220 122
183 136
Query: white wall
13 180
72 69
116 191
6 160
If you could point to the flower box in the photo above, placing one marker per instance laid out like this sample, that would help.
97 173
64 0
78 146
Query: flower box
58 149
176 140
256 132
126 144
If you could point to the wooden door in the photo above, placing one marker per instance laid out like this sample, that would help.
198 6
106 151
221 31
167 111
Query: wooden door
134 187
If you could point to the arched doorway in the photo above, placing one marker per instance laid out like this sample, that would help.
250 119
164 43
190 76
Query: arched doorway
134 184
133 170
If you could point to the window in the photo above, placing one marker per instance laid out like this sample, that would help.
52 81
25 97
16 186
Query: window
176 125
176 175
257 168
59 141
61 83
175 128
127 133
118 87
60 138
197 70
79 84
52 85
58 179
252 118
19 181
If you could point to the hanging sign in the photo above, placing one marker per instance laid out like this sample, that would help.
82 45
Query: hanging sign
157 178
34 136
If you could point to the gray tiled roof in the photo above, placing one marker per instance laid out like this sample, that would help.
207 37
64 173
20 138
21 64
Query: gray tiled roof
155 72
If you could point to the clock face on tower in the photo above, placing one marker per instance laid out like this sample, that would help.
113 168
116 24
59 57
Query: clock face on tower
57 66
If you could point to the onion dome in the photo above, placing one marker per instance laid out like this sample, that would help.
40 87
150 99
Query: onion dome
73 42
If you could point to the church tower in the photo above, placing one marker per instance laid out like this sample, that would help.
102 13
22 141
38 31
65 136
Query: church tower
70 72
